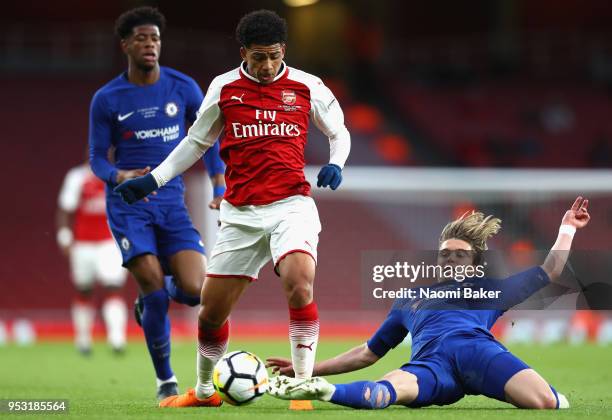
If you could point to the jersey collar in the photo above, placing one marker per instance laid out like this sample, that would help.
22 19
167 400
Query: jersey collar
282 72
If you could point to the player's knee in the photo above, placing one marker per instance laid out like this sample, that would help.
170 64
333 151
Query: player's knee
299 295
541 400
149 284
191 285
548 401
208 319
149 280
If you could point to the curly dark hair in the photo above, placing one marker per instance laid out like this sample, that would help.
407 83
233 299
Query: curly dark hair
144 15
262 27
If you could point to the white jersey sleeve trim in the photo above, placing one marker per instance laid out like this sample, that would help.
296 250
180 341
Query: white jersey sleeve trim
327 116
201 136
70 194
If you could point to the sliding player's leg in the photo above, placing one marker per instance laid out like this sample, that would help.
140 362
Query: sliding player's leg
488 368
431 382
411 386
527 389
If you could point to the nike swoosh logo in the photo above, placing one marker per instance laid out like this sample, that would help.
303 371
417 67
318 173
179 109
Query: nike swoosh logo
124 117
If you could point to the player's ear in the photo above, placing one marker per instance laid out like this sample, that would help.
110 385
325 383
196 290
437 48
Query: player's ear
124 45
243 53
283 50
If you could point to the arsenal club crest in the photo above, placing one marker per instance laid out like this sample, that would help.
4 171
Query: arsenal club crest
288 97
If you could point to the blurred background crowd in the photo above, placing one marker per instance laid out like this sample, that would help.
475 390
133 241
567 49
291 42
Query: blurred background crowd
482 84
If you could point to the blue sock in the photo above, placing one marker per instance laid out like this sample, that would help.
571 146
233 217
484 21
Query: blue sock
156 327
556 395
354 394
178 295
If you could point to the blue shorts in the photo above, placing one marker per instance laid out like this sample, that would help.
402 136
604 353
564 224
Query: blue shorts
158 228
474 365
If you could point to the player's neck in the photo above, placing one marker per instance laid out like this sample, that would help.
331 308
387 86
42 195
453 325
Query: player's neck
140 77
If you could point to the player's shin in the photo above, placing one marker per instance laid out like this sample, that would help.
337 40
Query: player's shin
364 394
304 337
83 314
156 327
114 312
212 344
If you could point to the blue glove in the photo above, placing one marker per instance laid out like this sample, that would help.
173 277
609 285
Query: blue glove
136 189
329 175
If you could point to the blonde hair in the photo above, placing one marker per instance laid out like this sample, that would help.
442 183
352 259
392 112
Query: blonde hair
473 228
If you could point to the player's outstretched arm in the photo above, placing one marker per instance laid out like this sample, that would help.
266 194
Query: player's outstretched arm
575 218
328 117
357 358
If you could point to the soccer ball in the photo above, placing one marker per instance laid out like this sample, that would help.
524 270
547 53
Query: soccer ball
240 378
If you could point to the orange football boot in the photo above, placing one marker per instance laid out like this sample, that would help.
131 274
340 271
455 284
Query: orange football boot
189 399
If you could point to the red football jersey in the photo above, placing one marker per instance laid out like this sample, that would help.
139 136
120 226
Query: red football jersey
83 193
264 133
265 129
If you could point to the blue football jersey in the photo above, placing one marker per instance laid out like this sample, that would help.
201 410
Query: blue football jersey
144 124
429 327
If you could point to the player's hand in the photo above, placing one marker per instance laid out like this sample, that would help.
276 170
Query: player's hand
218 192
329 175
136 189
578 216
123 174
280 366
215 204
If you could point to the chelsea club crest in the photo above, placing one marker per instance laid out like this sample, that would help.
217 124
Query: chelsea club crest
171 109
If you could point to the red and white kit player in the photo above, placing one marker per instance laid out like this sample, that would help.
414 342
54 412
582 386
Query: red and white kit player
263 108
83 236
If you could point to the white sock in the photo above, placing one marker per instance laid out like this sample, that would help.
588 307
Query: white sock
212 345
83 315
165 381
114 312
303 353
304 337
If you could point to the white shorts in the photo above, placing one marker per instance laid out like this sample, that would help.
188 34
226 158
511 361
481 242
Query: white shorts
91 261
250 236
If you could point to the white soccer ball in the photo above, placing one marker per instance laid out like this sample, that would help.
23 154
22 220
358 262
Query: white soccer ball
240 378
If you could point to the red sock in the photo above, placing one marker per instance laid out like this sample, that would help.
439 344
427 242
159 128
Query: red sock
212 344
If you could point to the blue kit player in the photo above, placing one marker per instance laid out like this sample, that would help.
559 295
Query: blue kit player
142 115
453 352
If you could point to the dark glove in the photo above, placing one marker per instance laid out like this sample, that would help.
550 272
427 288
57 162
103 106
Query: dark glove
136 189
329 175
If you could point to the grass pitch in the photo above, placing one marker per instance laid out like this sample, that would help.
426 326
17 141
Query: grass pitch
106 386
